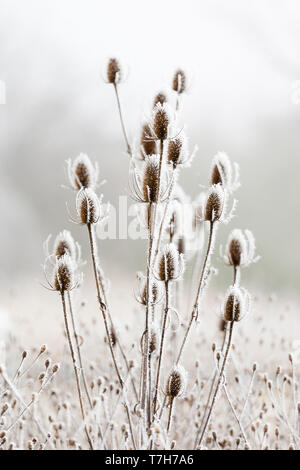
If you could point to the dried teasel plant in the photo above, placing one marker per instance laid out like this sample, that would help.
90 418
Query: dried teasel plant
131 389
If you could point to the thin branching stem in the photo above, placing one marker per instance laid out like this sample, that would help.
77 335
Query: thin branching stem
218 383
199 291
75 368
128 147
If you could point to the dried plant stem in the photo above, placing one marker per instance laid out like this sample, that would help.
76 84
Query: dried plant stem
170 415
128 148
78 350
103 290
161 347
150 265
199 291
75 368
236 280
164 216
102 307
218 383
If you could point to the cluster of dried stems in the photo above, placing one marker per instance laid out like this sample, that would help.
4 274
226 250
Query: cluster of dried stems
147 389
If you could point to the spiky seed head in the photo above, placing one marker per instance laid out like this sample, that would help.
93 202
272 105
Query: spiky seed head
176 382
214 204
64 244
153 340
151 179
82 173
64 274
170 263
175 151
221 172
148 144
159 98
240 248
88 206
179 81
154 289
236 304
236 248
161 122
114 73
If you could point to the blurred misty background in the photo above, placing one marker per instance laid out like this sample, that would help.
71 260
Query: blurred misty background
243 60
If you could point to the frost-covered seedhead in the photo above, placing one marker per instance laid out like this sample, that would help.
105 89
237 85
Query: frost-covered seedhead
176 383
82 173
170 264
161 121
145 184
148 143
160 98
65 244
155 290
64 274
151 179
240 249
214 204
88 206
179 81
114 72
224 173
236 304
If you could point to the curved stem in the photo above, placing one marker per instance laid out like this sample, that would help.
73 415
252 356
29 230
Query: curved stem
128 149
236 280
75 368
102 307
218 383
78 350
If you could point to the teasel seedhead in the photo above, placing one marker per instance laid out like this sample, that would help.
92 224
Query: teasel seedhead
214 204
145 184
82 173
155 290
161 121
236 304
148 144
179 81
88 206
170 264
240 249
153 339
159 98
64 274
176 383
224 173
114 72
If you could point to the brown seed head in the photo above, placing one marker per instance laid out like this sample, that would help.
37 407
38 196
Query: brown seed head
88 206
64 274
159 98
148 144
114 74
151 179
179 81
161 122
175 151
170 264
214 203
176 382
